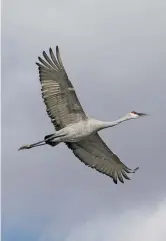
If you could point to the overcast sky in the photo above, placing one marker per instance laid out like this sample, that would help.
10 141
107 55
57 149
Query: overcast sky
115 55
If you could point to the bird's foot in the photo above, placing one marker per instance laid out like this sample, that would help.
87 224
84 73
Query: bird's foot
25 147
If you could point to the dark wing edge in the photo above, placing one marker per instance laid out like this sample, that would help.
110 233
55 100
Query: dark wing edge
54 62
56 87
93 152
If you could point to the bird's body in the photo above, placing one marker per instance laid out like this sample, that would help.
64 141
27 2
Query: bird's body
78 131
73 127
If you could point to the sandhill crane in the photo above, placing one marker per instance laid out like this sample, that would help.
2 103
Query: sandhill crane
73 127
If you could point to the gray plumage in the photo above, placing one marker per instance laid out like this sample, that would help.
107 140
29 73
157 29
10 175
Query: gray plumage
62 104
73 127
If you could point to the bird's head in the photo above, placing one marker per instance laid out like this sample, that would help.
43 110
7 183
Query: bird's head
134 115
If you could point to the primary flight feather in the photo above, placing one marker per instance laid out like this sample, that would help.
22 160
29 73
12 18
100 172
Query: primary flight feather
73 127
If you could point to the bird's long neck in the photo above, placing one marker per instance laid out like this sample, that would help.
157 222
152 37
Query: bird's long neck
105 124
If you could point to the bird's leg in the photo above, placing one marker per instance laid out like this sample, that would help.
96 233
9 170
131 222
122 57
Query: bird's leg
43 142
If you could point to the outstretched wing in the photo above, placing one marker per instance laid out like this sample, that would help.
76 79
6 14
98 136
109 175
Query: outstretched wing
62 104
95 153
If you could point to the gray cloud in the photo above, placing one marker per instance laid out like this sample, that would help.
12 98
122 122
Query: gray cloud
114 54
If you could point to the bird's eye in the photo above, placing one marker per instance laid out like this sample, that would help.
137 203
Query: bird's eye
133 112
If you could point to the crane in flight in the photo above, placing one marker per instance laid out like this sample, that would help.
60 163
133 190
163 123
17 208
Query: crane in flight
72 126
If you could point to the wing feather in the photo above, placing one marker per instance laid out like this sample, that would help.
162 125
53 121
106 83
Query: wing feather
48 60
53 58
94 153
62 104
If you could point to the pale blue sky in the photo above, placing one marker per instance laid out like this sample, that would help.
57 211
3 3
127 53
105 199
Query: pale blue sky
114 53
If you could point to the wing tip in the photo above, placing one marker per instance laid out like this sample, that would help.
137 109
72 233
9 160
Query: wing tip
128 170
115 181
121 180
37 64
136 169
125 175
39 58
50 50
44 53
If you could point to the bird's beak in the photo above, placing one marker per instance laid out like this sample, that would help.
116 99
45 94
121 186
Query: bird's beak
142 114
